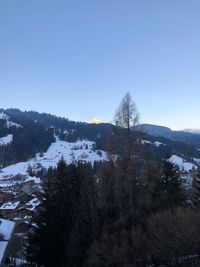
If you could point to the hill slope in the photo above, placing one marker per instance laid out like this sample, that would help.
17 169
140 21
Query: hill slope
24 135
33 133
161 131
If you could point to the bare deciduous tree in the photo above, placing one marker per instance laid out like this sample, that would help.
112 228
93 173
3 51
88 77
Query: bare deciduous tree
126 114
125 118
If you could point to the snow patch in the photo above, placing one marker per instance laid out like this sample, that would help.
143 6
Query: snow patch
182 164
3 116
35 179
6 140
196 160
144 142
156 143
187 180
14 169
9 123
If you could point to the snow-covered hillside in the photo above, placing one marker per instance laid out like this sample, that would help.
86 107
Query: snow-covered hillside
182 164
9 123
6 140
83 151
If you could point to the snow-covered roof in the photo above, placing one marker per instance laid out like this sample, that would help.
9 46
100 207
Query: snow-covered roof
6 230
9 205
3 245
7 183
35 179
32 204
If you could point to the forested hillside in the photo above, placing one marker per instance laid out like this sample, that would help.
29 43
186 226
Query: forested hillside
33 132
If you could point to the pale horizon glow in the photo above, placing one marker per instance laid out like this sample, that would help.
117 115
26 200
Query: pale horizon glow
77 59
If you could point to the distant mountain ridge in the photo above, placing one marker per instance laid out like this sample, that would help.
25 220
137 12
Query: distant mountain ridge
161 131
154 130
191 130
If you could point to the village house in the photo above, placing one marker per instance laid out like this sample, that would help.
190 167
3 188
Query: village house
9 208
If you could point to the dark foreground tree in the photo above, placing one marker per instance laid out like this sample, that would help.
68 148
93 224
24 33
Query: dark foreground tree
196 187
85 225
67 218
46 241
171 190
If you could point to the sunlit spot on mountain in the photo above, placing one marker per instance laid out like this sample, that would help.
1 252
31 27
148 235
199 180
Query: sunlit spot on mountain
96 121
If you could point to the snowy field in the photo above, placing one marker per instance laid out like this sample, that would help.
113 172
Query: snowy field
83 151
6 140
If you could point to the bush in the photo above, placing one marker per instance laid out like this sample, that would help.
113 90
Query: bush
174 235
119 249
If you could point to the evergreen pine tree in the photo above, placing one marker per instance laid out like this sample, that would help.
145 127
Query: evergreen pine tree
107 200
40 238
66 223
84 225
196 186
47 241
170 186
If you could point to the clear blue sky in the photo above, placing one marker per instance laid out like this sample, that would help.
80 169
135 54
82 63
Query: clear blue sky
78 58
